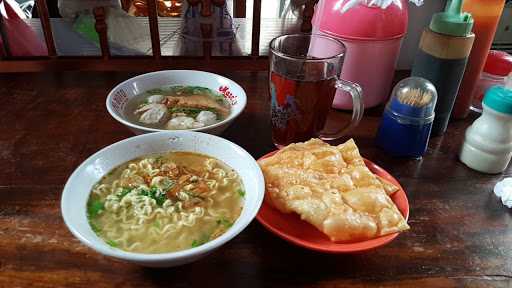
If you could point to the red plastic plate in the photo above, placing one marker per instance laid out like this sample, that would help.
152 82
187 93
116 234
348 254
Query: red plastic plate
291 228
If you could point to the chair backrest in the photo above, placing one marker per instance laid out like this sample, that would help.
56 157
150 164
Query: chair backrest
106 62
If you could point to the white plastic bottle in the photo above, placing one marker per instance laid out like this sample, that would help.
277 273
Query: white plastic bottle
488 141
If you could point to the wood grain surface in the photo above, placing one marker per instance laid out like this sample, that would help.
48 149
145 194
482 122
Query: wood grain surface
461 234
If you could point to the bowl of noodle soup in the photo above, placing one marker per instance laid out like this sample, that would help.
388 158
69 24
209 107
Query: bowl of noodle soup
163 199
176 100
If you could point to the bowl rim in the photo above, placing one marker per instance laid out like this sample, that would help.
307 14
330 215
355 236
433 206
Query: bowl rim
160 257
232 116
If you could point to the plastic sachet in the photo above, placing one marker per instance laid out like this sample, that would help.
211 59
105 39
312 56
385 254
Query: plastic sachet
126 35
71 8
21 39
127 31
346 5
503 190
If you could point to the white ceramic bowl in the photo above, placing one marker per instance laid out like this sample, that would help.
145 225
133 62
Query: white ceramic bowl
122 93
78 187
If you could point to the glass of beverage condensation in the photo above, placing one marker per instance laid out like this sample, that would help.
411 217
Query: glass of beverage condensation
304 76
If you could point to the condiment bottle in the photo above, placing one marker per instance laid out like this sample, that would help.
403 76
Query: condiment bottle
486 15
407 120
497 66
488 141
443 52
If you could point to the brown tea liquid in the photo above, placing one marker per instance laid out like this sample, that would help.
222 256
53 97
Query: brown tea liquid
299 108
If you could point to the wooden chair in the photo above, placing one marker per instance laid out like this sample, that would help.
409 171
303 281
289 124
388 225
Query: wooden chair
107 62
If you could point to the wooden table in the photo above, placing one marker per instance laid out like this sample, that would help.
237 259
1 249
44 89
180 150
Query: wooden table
461 235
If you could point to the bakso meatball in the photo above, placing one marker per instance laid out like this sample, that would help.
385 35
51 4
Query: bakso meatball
156 99
183 122
153 113
206 117
197 124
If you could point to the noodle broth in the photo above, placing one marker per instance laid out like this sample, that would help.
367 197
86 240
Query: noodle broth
166 202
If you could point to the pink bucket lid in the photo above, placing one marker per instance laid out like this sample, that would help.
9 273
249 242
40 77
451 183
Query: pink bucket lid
361 22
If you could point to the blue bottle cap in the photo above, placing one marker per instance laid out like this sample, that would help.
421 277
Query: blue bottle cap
499 98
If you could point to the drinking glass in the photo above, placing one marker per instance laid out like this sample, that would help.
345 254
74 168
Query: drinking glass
304 76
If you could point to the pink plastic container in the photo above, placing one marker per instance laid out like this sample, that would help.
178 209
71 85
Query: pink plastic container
373 37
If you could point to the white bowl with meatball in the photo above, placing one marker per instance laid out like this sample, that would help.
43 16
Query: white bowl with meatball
177 100
163 199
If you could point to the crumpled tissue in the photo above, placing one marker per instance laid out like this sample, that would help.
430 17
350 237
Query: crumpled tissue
374 3
503 190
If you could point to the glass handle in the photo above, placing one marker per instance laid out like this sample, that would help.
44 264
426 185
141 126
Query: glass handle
357 108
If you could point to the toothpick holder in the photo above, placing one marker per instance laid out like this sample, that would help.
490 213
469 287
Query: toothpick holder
407 120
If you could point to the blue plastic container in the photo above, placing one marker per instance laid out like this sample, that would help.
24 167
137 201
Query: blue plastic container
407 120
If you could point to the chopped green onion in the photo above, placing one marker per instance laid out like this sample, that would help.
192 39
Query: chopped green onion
241 192
94 208
95 228
225 222
198 242
124 192
152 193
112 243
195 90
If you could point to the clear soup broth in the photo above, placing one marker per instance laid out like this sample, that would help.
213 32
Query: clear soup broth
177 107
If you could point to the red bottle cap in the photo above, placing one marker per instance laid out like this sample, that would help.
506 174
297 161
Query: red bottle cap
498 63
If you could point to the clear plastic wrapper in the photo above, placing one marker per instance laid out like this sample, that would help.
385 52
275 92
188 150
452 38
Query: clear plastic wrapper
70 8
20 38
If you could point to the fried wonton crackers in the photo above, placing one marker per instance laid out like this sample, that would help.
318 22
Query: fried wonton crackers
331 188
